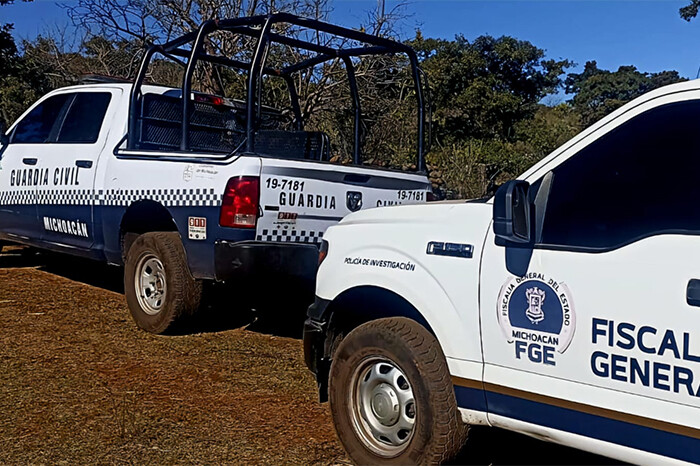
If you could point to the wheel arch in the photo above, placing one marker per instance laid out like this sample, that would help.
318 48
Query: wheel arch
358 305
355 306
143 217
358 298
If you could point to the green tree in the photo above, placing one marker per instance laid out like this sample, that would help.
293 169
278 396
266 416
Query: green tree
473 167
20 84
488 120
484 87
690 11
598 92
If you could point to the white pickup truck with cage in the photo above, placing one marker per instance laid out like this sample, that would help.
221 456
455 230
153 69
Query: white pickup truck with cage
236 192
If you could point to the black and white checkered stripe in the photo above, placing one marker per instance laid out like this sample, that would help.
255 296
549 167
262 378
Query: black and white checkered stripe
64 196
291 236
21 197
198 197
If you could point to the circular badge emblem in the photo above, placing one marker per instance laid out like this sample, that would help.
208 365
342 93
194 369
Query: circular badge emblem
537 308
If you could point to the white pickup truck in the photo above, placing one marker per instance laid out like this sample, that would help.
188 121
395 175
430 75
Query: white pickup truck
566 308
233 193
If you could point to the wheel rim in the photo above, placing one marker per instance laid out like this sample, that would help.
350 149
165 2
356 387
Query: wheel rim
150 284
382 405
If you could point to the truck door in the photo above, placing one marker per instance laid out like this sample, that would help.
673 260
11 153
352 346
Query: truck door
299 200
65 195
20 172
594 329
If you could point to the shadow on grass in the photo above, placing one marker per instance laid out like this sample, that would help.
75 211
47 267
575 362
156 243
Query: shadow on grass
491 446
225 307
93 273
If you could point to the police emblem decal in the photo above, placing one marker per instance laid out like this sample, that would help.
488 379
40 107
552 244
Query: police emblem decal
535 297
536 313
354 201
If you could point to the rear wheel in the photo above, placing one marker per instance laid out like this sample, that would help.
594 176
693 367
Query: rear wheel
158 285
392 398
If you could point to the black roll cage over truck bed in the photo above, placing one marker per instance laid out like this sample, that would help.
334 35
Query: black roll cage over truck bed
260 28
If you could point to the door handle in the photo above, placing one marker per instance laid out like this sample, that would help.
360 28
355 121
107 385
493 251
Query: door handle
83 163
29 161
692 296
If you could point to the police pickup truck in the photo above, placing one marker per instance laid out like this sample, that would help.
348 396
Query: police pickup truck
566 308
113 172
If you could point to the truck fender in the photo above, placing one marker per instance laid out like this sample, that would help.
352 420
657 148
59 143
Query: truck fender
368 296
142 217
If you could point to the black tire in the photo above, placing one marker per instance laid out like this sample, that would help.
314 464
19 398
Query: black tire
438 433
182 294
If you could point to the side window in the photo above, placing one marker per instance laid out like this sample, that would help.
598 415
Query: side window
39 125
84 118
636 181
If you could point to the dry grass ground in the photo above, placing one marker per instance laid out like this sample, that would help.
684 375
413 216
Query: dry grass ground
80 384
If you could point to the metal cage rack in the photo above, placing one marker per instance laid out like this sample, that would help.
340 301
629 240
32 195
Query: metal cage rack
261 28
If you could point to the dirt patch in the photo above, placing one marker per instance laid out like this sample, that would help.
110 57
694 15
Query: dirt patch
80 383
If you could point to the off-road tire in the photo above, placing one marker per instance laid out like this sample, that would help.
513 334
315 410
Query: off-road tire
184 293
439 431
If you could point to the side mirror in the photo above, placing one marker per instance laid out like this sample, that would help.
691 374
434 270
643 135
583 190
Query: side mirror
4 139
511 212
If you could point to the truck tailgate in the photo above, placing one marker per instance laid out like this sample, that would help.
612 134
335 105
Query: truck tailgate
300 200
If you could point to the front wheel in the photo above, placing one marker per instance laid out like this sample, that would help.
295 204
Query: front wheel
392 398
158 285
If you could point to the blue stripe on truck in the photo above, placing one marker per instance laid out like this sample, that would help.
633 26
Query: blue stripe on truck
650 435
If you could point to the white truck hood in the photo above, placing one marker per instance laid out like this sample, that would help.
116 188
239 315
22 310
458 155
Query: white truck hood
418 213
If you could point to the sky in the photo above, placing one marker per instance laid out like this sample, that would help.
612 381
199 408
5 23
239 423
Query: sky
646 33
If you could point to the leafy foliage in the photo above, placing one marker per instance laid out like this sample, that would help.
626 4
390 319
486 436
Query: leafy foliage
486 93
483 88
21 83
598 92
489 122
690 11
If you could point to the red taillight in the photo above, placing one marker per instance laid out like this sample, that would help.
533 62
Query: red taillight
215 100
239 207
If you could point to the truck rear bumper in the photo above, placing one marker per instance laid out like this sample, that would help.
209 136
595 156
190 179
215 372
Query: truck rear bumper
314 339
315 350
315 329
266 264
